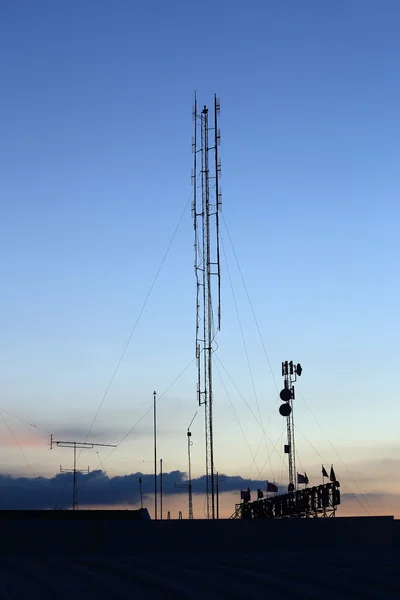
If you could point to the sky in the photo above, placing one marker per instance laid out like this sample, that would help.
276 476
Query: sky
96 235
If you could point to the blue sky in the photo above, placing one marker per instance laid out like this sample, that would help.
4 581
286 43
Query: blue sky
96 126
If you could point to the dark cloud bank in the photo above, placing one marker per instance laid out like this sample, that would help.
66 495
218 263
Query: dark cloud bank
97 489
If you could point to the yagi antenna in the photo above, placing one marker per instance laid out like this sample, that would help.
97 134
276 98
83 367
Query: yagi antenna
75 445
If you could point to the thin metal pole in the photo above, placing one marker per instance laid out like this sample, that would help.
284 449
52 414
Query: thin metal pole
141 492
190 476
190 443
217 496
155 454
161 489
292 452
74 500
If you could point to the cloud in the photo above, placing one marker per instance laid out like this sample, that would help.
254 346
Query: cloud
97 489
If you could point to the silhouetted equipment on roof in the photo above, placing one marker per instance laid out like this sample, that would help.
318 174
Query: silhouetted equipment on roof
317 501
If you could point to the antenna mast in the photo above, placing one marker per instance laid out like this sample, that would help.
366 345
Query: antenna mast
290 373
155 452
190 443
75 445
207 265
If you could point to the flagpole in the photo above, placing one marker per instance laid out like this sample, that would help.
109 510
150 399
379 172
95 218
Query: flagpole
324 475
155 453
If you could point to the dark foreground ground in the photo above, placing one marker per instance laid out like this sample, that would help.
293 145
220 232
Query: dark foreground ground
294 575
348 558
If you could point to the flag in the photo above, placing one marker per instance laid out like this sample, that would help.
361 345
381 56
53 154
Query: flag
260 494
332 475
245 495
324 473
271 487
302 478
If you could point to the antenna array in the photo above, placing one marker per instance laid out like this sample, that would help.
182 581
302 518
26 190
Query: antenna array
75 445
290 372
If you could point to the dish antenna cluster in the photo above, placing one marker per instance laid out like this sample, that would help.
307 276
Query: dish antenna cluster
290 372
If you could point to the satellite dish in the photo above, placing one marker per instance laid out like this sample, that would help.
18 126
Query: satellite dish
299 369
285 395
285 410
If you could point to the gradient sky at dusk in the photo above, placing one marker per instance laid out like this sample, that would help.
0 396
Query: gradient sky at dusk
96 101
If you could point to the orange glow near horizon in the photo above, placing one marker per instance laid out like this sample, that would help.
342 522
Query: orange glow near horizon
388 506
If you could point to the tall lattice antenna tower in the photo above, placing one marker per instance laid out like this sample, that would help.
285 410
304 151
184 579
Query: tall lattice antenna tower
206 207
